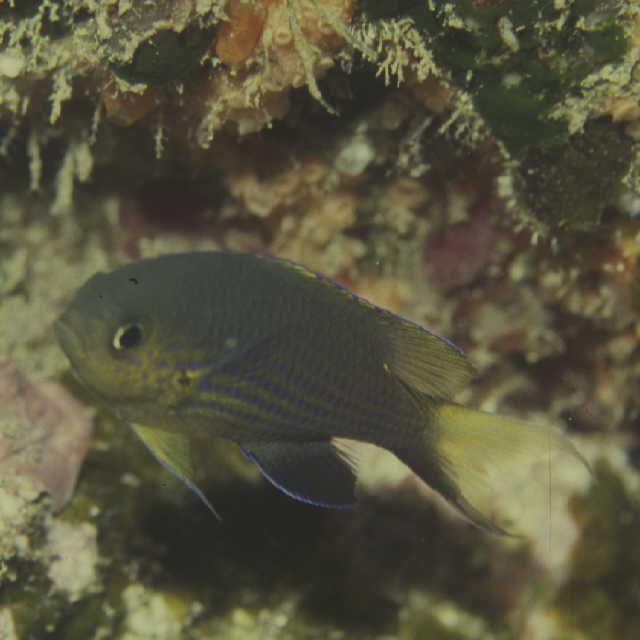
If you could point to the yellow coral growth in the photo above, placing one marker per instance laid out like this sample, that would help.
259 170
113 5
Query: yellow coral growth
128 107
269 47
240 33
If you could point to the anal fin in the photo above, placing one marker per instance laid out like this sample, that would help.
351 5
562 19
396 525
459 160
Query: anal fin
312 472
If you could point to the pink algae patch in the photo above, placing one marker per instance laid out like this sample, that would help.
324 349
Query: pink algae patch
44 432
457 253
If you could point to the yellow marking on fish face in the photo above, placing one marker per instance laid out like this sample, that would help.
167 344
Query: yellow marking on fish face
122 363
99 364
140 373
173 382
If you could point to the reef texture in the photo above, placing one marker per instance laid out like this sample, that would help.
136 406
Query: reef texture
474 165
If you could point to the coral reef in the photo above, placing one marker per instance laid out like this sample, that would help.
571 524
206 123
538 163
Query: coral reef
472 165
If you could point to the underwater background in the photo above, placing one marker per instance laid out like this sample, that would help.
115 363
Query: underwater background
473 165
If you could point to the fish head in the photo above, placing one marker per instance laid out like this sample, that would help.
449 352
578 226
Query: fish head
127 341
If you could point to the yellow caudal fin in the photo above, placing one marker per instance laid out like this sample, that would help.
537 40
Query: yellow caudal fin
488 461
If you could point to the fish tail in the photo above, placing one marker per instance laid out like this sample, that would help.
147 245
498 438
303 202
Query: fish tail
473 458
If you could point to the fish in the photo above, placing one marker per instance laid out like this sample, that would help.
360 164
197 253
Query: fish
289 365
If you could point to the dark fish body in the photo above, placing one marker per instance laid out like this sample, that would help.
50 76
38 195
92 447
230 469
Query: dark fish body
280 360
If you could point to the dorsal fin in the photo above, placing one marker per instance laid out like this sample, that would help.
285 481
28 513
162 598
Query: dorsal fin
423 360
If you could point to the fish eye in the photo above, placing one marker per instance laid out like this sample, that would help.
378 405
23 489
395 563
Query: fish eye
128 336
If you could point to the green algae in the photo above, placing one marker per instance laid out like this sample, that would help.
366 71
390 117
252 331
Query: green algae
385 9
568 186
37 611
548 63
41 615
428 615
165 56
601 598
519 62
516 59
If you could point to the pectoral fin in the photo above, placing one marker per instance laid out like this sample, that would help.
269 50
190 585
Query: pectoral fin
173 451
313 472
